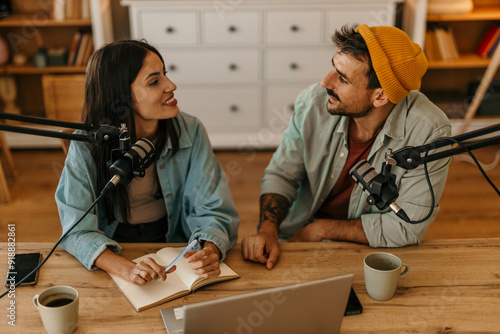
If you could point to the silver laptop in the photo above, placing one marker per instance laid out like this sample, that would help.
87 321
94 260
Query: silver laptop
309 307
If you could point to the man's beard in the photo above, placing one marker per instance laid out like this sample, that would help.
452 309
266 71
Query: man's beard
341 111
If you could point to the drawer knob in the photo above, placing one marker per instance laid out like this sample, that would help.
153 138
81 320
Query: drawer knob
294 66
294 28
232 28
172 67
233 67
170 30
233 108
291 107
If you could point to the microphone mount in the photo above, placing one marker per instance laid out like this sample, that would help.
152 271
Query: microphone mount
411 157
99 135
381 188
137 158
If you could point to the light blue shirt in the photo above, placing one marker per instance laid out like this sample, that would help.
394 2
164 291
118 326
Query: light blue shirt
314 149
193 184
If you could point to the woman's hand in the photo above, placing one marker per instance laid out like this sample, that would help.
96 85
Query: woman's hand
147 271
139 273
205 263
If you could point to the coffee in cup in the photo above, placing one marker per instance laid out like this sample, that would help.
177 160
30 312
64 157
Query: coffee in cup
58 307
382 273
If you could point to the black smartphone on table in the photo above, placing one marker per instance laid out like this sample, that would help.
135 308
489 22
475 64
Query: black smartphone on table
22 265
353 305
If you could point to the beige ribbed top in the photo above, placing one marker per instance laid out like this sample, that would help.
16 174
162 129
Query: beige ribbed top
146 201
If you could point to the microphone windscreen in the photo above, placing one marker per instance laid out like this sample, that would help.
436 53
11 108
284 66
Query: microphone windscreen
363 173
142 153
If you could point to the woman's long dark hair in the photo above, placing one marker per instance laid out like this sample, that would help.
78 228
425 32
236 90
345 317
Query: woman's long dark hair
108 100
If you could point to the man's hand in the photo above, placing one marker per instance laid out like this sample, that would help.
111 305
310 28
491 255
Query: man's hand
262 247
331 229
315 231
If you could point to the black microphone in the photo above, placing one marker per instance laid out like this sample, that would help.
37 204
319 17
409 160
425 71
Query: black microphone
133 163
381 189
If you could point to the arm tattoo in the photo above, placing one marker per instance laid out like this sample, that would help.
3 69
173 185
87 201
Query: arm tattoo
274 208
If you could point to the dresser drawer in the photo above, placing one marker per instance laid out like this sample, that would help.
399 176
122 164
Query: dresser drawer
239 65
354 16
233 28
280 103
164 27
297 27
212 66
224 109
311 66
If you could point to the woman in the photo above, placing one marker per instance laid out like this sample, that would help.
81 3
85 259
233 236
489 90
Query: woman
184 194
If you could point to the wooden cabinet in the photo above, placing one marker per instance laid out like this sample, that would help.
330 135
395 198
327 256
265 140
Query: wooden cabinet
63 96
239 65
51 91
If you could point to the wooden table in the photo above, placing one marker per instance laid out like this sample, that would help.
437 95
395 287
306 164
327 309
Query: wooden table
453 286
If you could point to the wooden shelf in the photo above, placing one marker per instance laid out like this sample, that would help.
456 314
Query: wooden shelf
465 61
12 69
40 20
477 14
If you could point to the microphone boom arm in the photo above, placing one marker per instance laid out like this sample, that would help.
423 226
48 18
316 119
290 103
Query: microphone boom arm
140 156
102 134
381 188
411 157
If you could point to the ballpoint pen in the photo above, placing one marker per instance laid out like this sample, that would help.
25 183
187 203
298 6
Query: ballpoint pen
187 249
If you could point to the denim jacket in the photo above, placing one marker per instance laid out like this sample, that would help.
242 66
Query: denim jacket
314 149
193 184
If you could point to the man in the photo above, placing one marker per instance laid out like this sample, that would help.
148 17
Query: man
362 108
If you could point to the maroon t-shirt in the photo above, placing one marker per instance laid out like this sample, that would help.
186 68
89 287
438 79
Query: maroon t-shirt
336 205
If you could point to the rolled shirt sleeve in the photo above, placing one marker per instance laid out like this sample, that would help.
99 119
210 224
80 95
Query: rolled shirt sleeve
74 196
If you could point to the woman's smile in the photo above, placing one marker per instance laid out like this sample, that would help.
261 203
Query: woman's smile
170 102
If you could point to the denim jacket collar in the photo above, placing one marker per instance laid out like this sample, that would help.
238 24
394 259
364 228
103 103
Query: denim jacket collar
184 140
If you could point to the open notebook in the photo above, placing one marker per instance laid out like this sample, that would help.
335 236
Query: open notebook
179 283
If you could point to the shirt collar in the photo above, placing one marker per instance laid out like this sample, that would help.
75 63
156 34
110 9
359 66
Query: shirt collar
395 124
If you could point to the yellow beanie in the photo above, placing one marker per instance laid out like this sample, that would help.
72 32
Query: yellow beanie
398 62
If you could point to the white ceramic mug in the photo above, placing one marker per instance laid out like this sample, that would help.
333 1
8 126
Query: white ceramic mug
382 273
58 307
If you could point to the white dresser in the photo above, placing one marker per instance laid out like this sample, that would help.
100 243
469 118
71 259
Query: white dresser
239 65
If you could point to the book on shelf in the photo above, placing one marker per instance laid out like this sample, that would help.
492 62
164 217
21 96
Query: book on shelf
452 43
89 49
440 44
74 47
430 46
181 282
78 58
489 41
85 50
490 54
59 10
81 48
70 9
